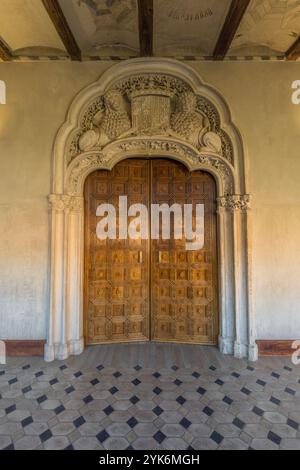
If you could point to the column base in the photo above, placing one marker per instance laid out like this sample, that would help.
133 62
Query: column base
62 351
246 351
226 345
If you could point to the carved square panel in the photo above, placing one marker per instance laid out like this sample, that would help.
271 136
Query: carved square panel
198 311
200 274
181 311
179 171
118 274
100 274
135 257
164 273
179 187
117 310
163 329
118 188
120 171
117 292
118 327
182 256
101 187
180 292
100 257
136 171
162 188
135 291
182 274
135 309
198 187
135 188
181 329
165 309
201 329
98 292
135 327
162 171
162 291
136 273
99 311
98 328
199 256
118 257
164 256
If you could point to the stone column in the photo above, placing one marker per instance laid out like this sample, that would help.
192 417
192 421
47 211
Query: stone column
64 335
226 297
238 208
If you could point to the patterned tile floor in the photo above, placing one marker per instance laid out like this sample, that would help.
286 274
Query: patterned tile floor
149 397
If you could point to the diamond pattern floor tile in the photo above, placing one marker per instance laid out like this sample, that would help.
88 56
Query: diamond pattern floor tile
88 404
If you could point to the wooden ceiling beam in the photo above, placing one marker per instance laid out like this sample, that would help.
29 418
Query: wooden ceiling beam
145 12
233 20
61 25
293 53
5 51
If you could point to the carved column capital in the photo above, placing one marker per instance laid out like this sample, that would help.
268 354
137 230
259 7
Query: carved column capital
234 202
64 202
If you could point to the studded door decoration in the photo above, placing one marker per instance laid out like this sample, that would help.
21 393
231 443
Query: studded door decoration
137 290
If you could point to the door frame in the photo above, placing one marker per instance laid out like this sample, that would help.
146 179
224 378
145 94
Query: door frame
71 167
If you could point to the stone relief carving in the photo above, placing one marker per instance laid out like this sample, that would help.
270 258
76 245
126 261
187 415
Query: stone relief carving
186 121
108 124
152 84
63 202
153 105
235 202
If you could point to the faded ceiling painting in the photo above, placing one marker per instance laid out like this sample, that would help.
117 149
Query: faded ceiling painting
269 27
104 27
188 28
120 29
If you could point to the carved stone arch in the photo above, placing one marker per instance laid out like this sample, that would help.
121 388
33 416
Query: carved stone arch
126 97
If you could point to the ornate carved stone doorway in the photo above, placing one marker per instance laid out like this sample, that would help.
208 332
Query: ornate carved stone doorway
155 108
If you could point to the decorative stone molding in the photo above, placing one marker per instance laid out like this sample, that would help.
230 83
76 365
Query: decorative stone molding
84 164
235 202
62 202
211 142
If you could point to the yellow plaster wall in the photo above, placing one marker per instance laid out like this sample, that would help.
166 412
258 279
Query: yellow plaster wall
259 96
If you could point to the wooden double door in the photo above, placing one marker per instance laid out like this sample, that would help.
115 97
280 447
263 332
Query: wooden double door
143 289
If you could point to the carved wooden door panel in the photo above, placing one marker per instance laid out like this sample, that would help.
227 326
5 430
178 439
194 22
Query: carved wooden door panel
184 283
121 285
116 271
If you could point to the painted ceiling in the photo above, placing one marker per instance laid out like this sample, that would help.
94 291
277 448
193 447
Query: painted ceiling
182 29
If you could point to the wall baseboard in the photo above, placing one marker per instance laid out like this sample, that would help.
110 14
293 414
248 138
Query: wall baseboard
273 347
21 347
266 347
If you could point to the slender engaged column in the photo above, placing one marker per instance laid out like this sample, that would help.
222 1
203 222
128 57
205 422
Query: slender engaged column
64 335
244 331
